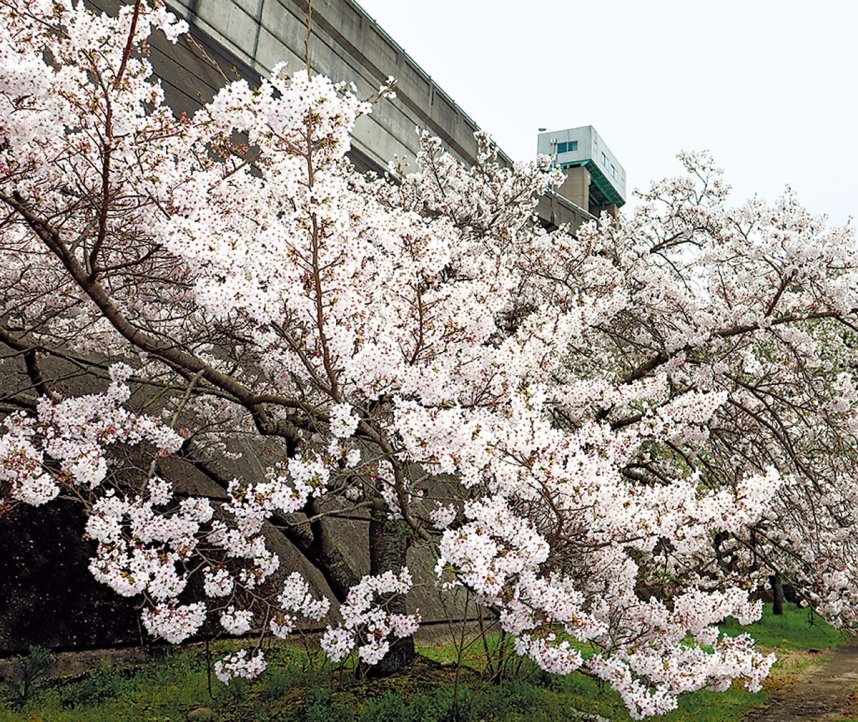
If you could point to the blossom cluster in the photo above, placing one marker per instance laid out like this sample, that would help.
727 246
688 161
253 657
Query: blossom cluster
75 434
239 664
612 436
366 622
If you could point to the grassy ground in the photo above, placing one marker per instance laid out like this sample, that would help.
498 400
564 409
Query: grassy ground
299 686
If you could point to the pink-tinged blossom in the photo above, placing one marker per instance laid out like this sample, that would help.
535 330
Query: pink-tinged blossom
160 491
296 599
174 623
343 420
236 621
337 643
239 664
366 623
218 582
663 401
556 658
443 515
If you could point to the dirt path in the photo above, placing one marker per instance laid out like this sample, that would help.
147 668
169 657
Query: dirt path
825 695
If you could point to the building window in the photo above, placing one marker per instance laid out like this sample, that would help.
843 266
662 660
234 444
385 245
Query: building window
568 147
604 160
613 171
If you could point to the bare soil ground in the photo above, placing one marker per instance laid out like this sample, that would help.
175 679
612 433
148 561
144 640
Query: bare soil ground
825 694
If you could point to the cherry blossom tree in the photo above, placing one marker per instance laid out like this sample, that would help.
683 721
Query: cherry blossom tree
609 438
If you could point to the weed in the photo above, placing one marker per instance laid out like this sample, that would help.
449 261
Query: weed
31 669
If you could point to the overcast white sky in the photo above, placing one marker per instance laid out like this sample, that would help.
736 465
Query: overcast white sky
769 86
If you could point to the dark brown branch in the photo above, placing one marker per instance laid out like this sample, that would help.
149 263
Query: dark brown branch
129 45
146 341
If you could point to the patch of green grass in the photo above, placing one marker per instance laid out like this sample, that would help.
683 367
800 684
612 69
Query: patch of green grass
299 686
789 636
795 629
586 693
156 692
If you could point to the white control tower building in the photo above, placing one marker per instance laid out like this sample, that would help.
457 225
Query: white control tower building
595 180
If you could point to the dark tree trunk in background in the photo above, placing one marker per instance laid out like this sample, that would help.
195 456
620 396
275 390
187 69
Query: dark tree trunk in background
388 545
777 594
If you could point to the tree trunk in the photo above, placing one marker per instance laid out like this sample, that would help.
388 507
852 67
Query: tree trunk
777 594
317 543
325 554
388 545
